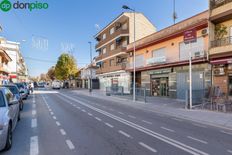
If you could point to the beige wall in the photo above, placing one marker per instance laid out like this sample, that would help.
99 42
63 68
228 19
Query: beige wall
143 26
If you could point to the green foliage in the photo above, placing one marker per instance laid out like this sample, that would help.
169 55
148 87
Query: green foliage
51 73
220 31
65 67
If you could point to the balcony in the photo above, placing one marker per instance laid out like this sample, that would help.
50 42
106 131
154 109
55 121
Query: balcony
108 69
163 62
4 68
110 37
220 10
110 53
223 45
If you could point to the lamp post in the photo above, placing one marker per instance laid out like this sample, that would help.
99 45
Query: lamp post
90 50
134 73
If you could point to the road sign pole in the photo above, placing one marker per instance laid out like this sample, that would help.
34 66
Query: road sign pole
190 76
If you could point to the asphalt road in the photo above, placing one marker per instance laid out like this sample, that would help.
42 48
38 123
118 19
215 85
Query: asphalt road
66 123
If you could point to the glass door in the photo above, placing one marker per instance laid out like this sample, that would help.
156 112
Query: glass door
164 87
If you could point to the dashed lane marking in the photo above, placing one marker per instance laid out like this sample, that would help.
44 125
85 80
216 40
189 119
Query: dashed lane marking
147 147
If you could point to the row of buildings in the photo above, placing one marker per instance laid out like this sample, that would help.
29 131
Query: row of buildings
12 65
162 57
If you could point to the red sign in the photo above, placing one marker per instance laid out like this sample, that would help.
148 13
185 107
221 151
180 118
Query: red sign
190 36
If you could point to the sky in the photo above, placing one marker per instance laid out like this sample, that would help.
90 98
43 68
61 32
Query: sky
68 25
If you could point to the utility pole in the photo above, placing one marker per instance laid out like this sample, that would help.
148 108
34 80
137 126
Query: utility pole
174 12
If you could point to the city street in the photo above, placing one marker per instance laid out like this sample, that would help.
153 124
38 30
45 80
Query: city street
65 122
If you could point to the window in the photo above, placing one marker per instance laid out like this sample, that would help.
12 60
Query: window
104 36
124 26
124 43
197 49
139 60
112 47
112 62
112 30
2 103
104 51
159 52
9 95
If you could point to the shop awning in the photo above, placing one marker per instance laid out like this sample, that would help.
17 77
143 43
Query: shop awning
222 61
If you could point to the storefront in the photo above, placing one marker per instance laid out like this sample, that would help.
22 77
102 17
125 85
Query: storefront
116 79
222 75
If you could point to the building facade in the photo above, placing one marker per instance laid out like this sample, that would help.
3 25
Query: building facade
4 72
86 77
17 67
220 25
111 47
162 59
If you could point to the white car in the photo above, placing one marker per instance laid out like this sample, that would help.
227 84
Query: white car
56 85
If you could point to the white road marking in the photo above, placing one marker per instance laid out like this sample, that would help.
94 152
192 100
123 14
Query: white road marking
175 143
49 109
199 125
78 107
70 144
147 147
228 133
54 117
97 118
229 151
62 132
167 129
34 147
121 113
51 113
132 116
83 110
109 125
124 133
198 140
33 112
34 123
90 114
57 123
177 119
146 122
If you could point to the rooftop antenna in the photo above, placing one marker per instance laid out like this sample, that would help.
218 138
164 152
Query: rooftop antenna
174 12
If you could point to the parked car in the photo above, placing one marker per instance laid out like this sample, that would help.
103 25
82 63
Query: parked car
9 116
27 87
15 91
23 90
56 84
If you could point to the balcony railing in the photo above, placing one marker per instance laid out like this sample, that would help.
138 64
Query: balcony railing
165 61
217 3
221 42
106 69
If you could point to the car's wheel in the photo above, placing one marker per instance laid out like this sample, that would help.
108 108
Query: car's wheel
9 138
19 116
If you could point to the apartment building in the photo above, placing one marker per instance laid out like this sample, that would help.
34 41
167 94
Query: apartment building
111 47
162 59
17 67
4 72
220 24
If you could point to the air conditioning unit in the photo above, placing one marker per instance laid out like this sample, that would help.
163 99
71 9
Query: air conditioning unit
197 54
205 32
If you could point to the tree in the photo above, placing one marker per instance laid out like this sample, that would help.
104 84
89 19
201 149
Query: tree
43 77
51 73
65 67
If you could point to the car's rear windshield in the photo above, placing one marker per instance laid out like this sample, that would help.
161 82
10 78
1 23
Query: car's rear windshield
2 103
13 89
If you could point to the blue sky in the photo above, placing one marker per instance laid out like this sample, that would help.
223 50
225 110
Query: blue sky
71 23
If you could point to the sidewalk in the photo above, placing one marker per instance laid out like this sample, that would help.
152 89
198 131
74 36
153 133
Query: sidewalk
170 107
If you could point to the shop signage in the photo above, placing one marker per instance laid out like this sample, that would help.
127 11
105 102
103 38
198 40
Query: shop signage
160 71
190 36
155 60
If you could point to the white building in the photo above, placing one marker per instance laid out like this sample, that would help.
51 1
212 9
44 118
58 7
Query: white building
17 67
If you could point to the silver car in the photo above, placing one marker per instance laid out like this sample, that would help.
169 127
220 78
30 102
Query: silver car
9 116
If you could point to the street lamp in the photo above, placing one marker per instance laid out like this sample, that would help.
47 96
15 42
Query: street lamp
128 8
90 50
